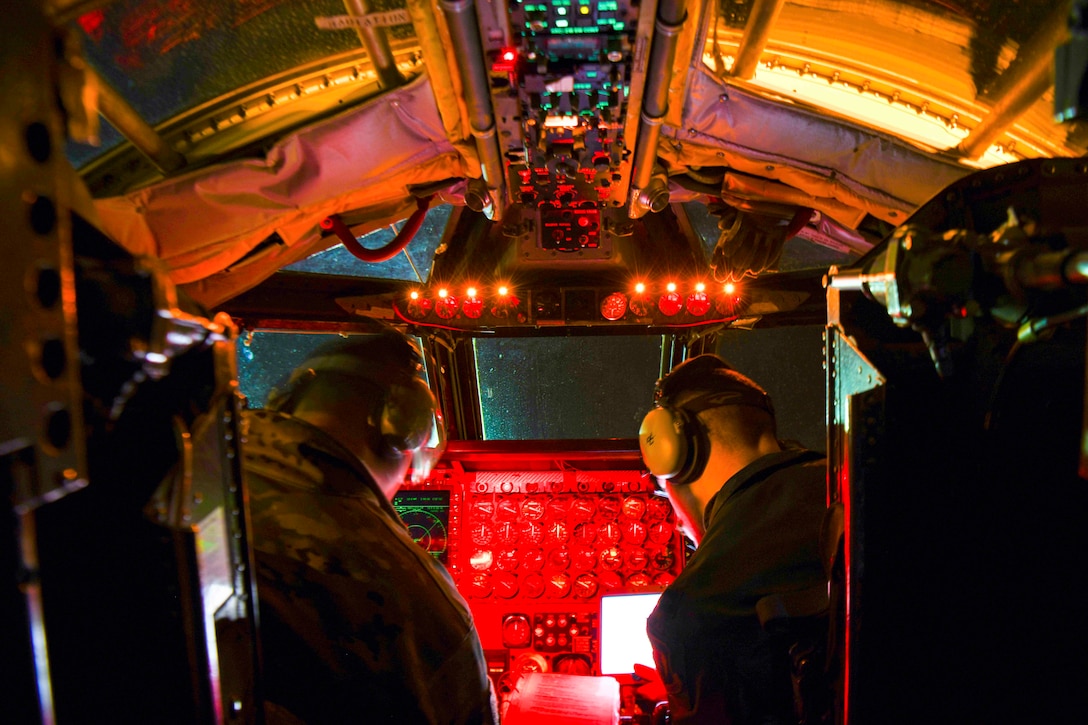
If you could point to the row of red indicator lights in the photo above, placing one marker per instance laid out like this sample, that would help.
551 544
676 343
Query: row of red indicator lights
698 302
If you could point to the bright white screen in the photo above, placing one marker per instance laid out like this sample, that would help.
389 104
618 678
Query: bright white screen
623 632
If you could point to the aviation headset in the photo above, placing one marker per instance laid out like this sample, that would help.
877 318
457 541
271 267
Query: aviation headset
674 443
409 421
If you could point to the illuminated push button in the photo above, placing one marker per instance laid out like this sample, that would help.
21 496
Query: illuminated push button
550 640
562 640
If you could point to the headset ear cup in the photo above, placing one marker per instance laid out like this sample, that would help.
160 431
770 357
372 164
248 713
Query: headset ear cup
407 417
663 442
674 445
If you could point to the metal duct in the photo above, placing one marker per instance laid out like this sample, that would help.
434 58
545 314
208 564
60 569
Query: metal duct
650 192
464 30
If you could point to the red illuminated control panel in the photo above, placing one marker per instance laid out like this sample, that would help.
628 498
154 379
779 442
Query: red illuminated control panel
533 552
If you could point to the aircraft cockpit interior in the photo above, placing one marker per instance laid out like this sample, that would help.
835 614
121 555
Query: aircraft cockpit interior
877 209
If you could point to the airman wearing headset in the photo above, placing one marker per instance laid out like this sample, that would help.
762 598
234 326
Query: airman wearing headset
754 508
358 623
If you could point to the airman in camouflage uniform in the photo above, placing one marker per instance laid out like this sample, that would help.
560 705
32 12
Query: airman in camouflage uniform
358 623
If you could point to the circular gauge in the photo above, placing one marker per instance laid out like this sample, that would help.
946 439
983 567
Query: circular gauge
558 508
481 534
637 559
533 559
532 509
481 559
532 586
479 585
662 559
658 508
506 584
559 558
506 509
585 586
634 532
558 532
573 664
609 533
483 509
608 507
583 558
611 559
530 662
585 533
582 509
506 533
531 532
516 631
558 584
610 581
663 580
634 507
507 560
661 533
614 306
640 581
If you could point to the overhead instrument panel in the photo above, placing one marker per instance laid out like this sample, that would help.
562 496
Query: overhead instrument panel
533 552
562 92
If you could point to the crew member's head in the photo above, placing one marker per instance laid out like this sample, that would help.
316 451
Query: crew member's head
368 392
707 423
